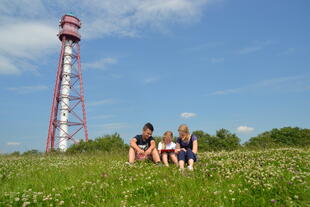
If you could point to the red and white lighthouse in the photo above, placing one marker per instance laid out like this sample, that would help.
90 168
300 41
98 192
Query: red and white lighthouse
68 116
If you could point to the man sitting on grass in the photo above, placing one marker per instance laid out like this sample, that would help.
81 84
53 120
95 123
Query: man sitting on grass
143 146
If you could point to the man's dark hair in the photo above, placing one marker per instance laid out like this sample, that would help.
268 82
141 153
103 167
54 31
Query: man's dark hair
148 126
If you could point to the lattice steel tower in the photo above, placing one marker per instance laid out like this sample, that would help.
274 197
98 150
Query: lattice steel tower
68 116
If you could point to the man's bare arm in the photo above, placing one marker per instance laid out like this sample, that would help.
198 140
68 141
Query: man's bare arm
153 146
133 144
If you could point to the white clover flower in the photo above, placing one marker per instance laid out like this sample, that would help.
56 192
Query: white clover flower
25 204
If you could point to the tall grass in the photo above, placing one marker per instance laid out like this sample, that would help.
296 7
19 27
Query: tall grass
278 177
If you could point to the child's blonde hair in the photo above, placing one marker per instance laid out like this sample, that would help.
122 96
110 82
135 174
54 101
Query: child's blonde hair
164 138
184 128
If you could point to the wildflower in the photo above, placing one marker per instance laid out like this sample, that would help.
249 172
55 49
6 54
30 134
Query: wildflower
25 204
273 200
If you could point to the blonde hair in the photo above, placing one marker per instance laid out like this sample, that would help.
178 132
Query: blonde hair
164 138
184 128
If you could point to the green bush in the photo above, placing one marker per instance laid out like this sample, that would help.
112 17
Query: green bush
223 140
287 136
107 143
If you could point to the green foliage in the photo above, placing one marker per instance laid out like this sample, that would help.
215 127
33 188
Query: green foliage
107 143
31 152
157 139
223 140
16 153
287 136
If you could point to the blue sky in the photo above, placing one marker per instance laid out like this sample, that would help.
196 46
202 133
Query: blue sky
239 65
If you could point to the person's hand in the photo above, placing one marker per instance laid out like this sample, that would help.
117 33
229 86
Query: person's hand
147 152
183 149
140 151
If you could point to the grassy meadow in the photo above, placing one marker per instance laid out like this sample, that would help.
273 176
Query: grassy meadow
274 177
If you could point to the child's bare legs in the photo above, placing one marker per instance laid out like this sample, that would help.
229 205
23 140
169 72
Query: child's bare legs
181 157
190 163
181 164
165 159
131 155
174 158
155 156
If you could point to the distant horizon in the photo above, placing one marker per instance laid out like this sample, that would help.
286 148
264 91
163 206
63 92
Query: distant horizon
128 141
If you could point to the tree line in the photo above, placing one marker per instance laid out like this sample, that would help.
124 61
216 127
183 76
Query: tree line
222 140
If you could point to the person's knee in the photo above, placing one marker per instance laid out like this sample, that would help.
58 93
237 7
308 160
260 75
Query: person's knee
182 152
189 152
191 156
154 151
131 150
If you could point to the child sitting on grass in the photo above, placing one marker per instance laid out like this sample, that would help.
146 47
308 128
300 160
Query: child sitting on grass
167 144
186 148
143 146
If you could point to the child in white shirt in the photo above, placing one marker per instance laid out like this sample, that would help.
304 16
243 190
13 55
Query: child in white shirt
167 144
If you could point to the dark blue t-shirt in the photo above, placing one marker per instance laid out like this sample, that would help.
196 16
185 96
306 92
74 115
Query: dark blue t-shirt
187 145
143 144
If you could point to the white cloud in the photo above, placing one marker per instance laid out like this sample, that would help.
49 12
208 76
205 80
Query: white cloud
114 126
22 8
13 143
100 129
105 116
204 46
187 115
248 50
150 80
22 42
127 18
28 89
111 17
108 128
245 129
288 51
101 102
228 91
27 39
7 67
100 64
274 84
217 60
256 46
28 33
